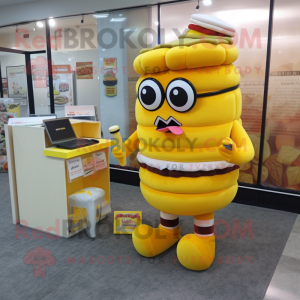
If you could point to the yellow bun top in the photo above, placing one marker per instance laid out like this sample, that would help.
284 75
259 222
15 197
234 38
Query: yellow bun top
185 57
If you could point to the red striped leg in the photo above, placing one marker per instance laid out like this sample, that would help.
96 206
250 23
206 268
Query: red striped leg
169 221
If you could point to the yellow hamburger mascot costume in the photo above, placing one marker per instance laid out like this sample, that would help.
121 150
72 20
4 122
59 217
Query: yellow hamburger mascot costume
190 137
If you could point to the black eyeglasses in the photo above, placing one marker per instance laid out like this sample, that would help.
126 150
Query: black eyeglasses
181 95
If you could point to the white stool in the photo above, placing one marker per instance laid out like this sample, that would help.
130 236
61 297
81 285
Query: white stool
88 198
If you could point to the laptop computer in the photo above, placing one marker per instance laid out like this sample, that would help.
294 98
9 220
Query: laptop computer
62 135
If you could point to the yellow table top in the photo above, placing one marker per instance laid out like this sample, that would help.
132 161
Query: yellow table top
66 154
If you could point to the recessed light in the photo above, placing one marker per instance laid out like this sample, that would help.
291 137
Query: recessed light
100 16
51 22
130 29
207 2
118 19
40 24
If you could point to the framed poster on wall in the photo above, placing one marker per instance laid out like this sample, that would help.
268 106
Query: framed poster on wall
4 87
84 70
62 85
110 76
16 82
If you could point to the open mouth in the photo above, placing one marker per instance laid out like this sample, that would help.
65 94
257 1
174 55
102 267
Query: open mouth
180 169
168 126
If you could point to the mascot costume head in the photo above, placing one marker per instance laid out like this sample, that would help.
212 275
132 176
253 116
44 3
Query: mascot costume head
190 137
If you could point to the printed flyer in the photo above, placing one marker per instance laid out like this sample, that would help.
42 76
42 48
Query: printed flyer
99 161
109 63
109 79
88 166
84 70
126 221
75 168
17 82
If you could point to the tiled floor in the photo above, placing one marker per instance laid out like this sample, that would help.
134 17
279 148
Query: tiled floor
285 284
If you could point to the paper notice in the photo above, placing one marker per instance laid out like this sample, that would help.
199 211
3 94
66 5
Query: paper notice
88 166
75 167
99 161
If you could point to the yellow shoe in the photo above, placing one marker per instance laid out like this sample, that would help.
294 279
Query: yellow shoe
150 241
196 253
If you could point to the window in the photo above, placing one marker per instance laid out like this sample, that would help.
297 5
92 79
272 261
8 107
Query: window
250 20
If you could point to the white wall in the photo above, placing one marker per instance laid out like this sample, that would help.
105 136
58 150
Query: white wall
87 89
114 109
43 9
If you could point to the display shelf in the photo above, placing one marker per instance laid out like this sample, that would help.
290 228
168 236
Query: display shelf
67 154
42 184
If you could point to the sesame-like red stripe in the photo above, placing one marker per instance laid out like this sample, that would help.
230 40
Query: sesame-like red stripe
204 230
169 223
205 30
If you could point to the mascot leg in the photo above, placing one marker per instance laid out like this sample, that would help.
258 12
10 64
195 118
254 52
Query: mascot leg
197 251
150 241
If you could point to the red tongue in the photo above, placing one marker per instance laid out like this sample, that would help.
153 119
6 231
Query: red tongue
174 129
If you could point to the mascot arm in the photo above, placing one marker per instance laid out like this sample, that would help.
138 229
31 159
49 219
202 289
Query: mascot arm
242 150
131 144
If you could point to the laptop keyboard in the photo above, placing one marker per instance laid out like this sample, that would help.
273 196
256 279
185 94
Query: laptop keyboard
79 143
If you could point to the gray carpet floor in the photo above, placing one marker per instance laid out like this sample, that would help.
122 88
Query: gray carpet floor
123 274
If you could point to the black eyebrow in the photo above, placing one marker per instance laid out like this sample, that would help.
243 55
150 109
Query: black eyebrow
217 92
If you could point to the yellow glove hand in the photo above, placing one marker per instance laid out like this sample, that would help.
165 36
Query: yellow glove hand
228 149
118 154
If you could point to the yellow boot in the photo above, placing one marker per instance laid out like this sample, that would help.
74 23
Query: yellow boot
197 251
150 241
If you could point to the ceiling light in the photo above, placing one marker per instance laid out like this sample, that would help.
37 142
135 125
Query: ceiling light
156 23
34 29
51 22
207 2
118 19
130 29
40 24
100 16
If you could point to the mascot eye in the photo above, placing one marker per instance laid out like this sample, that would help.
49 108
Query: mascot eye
151 94
181 95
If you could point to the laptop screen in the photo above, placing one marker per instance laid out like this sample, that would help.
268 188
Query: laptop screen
59 130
